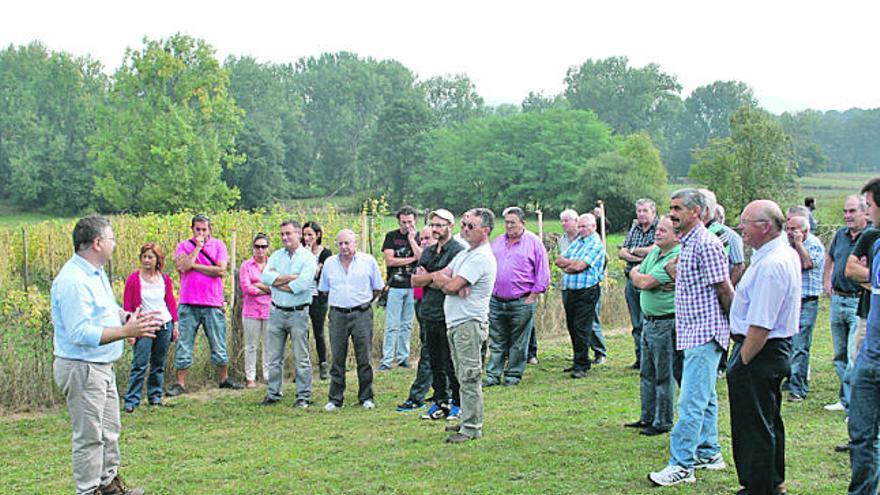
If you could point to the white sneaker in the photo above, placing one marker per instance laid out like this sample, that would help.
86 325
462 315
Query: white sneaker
837 406
330 406
714 463
368 404
672 475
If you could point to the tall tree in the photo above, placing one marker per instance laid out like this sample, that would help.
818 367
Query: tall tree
803 129
755 162
167 131
538 102
343 96
630 99
453 99
399 147
47 111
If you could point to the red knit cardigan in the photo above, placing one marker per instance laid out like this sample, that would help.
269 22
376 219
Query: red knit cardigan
131 298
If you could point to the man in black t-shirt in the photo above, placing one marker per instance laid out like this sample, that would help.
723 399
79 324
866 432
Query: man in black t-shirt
401 250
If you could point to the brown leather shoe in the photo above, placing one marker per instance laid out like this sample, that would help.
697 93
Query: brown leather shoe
117 487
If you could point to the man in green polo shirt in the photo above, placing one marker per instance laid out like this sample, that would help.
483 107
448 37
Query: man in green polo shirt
657 300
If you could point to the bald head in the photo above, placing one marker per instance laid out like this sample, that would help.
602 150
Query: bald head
761 221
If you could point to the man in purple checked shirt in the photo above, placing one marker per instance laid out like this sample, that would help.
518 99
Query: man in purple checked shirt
523 274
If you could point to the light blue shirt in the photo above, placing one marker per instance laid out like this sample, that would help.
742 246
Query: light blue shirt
769 293
353 287
303 264
591 251
83 305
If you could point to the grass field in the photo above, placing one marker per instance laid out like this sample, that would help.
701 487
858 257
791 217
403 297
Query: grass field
550 435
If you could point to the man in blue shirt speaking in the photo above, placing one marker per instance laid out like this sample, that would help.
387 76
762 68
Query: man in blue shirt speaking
87 340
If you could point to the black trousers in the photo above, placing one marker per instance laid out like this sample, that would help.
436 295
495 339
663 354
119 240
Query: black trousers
442 370
580 309
358 326
755 415
317 313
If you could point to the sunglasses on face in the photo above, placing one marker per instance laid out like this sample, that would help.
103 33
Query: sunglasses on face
470 226
261 246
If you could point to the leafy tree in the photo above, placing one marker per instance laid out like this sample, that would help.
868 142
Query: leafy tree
272 126
706 115
755 162
399 147
505 110
531 160
621 177
803 128
47 110
343 96
453 99
629 99
167 131
537 102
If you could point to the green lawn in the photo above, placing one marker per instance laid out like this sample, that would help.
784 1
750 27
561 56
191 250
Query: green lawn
550 435
12 216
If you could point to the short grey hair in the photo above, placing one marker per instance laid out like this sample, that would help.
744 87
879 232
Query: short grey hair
568 214
799 211
87 229
589 217
711 202
647 201
487 218
514 210
690 198
772 213
801 221
863 202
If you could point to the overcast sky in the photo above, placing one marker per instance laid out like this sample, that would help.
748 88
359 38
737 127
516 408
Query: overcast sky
795 55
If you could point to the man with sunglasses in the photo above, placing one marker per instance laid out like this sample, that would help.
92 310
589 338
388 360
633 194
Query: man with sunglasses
844 294
467 283
201 261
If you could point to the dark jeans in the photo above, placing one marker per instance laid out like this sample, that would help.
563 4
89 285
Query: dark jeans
358 326
864 415
757 431
657 384
533 342
580 309
509 325
423 380
445 383
152 352
317 313
635 315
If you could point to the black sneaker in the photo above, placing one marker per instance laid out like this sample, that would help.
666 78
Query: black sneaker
410 405
650 431
175 390
268 401
231 384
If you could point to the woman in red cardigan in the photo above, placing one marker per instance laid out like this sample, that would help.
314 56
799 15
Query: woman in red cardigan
150 289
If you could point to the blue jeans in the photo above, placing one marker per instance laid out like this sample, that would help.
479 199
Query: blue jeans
399 312
864 414
695 435
844 325
800 349
509 325
150 352
635 315
657 385
214 322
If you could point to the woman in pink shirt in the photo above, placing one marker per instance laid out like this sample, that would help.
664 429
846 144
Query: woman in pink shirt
150 289
255 308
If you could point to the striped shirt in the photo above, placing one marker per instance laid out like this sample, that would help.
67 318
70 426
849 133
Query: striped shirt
811 280
591 251
702 264
637 238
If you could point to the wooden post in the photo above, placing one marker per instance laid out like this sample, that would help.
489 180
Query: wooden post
540 224
232 265
49 252
364 233
24 248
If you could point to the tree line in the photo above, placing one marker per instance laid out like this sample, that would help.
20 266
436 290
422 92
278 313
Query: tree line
175 128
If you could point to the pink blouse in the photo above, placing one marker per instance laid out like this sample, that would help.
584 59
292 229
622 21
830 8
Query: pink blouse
255 303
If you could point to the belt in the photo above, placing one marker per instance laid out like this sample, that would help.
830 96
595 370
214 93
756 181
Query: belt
291 308
584 288
661 317
737 338
362 307
843 293
505 299
809 298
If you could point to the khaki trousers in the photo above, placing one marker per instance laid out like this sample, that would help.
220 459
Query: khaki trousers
465 343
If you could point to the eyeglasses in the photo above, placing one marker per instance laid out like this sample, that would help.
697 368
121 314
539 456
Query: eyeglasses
438 225
470 226
261 246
